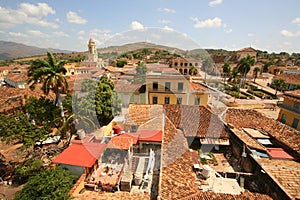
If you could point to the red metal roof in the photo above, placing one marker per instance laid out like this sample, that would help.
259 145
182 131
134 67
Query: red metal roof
278 153
151 136
84 155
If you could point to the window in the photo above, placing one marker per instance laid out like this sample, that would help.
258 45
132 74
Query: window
133 128
154 100
197 101
180 86
283 118
155 85
295 123
179 100
167 86
167 100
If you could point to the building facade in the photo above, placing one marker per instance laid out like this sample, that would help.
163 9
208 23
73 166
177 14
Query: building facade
174 88
290 109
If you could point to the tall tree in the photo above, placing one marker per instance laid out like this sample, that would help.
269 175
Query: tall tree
206 66
51 74
226 70
279 84
106 100
244 66
255 73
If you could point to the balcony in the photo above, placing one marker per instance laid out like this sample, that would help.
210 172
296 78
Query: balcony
169 91
283 105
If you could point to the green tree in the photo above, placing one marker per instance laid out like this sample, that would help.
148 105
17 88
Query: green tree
49 184
18 129
28 168
41 109
51 74
78 116
279 84
207 64
141 69
244 66
106 101
255 73
234 76
193 71
120 63
226 70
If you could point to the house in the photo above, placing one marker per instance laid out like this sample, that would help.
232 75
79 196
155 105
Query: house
80 158
292 80
289 113
167 86
275 161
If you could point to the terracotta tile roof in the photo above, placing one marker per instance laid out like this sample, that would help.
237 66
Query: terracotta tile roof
17 77
248 140
248 118
286 173
178 180
196 121
295 94
15 97
120 143
198 88
150 136
77 154
125 86
289 78
177 176
140 114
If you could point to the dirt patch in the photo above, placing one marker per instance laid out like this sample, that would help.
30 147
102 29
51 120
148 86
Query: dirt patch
8 192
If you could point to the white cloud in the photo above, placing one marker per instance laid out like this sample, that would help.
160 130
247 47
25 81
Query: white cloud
82 32
167 10
74 18
208 23
14 34
37 33
214 3
164 21
60 34
296 20
168 28
287 33
135 25
39 11
27 14
250 35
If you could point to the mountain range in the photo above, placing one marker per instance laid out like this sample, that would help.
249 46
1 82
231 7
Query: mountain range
12 50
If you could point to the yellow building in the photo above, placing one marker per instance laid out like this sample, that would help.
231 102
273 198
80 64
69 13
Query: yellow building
290 109
170 87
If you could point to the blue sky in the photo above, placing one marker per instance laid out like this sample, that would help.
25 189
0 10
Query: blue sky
271 25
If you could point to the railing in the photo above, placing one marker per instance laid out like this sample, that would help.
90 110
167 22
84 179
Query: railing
166 90
281 104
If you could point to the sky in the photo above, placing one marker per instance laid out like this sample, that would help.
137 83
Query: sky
268 25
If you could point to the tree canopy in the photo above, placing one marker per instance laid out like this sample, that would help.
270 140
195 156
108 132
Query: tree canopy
48 184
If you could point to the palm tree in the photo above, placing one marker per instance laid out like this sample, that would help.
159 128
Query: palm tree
226 70
279 84
255 73
51 74
193 71
234 76
244 66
